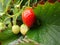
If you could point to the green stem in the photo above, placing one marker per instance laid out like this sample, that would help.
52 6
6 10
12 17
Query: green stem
28 3
16 15
8 18
14 20
19 12
20 3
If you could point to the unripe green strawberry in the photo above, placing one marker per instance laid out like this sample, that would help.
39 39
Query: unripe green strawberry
15 29
23 29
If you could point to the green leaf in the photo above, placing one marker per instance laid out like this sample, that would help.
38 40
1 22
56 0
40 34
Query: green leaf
7 36
48 33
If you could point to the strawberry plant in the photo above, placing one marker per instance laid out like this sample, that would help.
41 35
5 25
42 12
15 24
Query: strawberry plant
27 22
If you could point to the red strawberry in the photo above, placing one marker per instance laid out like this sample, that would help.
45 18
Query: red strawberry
28 17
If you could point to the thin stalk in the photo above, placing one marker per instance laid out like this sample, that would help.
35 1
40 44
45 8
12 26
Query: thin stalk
20 3
28 3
